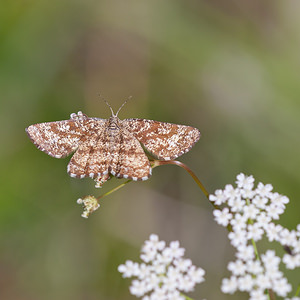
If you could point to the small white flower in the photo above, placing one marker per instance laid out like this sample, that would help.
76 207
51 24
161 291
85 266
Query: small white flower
291 261
129 269
158 268
218 198
174 273
174 251
229 286
144 271
270 260
274 274
245 283
281 287
274 211
152 281
247 193
264 190
148 254
263 281
138 288
288 238
273 231
158 294
239 222
245 182
263 220
254 232
182 264
254 267
238 238
236 204
245 252
230 192
186 284
237 268
258 295
222 216
250 211
162 258
169 283
297 246
260 202
154 243
196 274
175 295
279 200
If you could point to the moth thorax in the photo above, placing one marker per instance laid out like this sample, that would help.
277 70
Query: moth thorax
113 123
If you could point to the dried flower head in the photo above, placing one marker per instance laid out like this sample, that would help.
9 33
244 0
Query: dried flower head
90 204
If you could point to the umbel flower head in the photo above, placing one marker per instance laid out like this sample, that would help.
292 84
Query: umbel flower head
164 273
249 212
90 204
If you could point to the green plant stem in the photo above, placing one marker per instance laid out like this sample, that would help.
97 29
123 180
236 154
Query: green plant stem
255 249
298 291
250 221
114 189
186 297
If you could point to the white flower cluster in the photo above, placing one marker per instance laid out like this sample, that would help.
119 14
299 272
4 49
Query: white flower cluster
164 273
249 212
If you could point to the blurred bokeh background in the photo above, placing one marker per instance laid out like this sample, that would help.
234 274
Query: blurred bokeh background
230 68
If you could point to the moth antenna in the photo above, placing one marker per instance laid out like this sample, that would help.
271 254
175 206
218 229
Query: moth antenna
123 104
112 112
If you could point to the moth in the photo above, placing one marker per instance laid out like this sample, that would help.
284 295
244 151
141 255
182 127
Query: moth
105 147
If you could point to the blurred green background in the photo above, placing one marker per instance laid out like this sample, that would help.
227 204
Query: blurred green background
229 68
